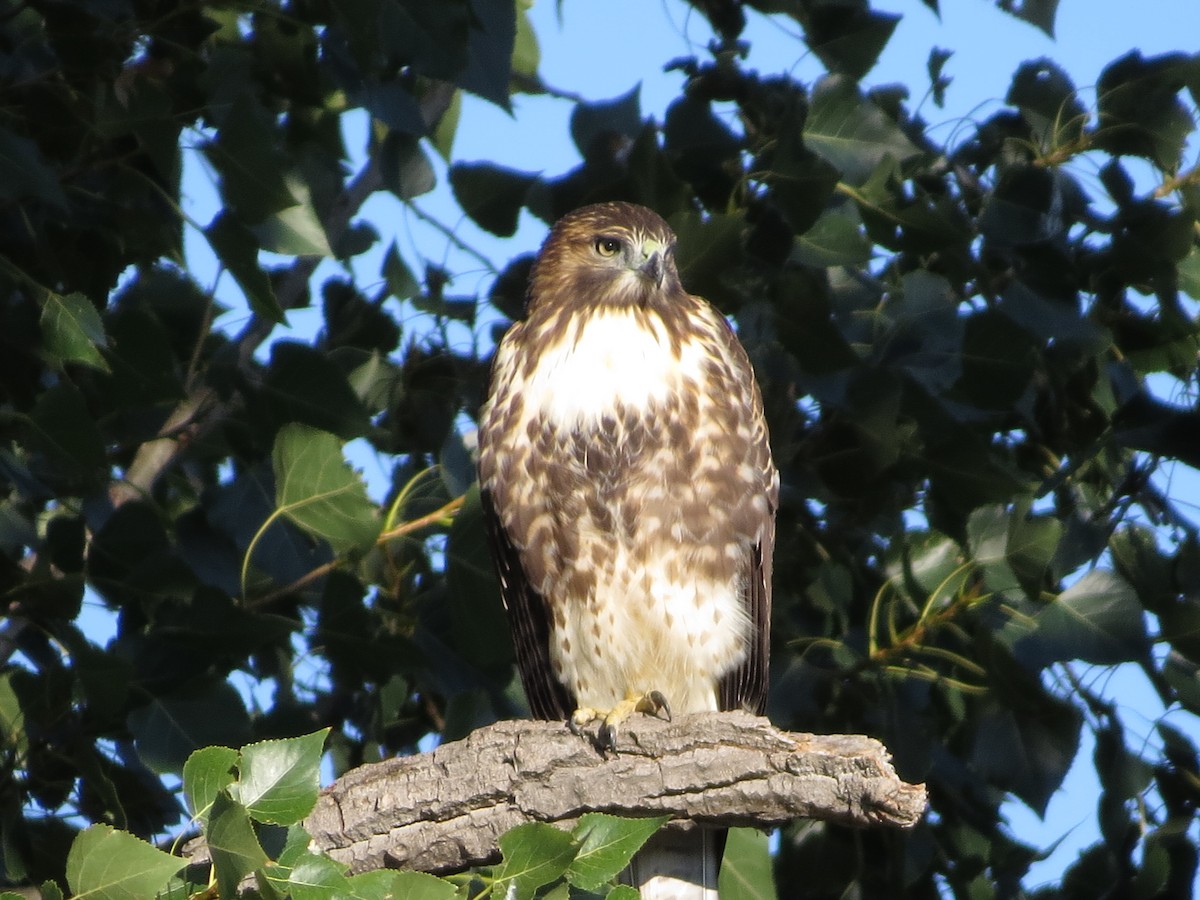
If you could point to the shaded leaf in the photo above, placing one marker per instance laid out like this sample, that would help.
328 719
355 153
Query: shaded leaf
491 195
168 729
852 132
233 844
236 247
595 125
1097 620
302 384
836 239
72 330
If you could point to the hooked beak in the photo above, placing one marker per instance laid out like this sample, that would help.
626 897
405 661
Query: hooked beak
653 264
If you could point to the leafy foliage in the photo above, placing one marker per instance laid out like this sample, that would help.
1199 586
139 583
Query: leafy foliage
978 356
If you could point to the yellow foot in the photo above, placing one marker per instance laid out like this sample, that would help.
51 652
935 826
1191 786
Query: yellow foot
651 702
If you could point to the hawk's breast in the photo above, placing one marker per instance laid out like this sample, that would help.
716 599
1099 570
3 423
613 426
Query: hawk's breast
609 360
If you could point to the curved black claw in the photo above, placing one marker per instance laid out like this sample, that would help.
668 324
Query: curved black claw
606 738
660 703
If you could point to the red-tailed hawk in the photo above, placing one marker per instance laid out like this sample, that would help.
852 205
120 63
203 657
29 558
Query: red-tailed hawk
627 483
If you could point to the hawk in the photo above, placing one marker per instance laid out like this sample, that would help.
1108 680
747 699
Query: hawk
627 484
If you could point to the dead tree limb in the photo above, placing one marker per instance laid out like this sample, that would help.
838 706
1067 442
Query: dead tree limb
443 811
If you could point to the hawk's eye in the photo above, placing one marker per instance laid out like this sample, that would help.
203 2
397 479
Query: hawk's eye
608 246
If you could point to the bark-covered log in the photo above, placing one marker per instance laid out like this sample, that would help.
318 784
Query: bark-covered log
444 810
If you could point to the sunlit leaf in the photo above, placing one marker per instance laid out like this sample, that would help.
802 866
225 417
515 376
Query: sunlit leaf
606 845
207 772
746 872
316 488
279 780
108 864
534 854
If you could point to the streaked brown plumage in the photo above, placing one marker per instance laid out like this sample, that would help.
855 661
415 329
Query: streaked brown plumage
628 485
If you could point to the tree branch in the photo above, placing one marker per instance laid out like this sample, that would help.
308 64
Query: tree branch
443 811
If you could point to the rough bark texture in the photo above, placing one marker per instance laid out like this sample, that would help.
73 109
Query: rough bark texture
443 811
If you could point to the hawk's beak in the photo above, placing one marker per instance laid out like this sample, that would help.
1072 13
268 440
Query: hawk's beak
654 264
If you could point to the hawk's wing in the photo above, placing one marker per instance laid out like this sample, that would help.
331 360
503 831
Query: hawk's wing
529 618
746 686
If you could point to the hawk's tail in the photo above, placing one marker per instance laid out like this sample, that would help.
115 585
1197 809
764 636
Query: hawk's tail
678 863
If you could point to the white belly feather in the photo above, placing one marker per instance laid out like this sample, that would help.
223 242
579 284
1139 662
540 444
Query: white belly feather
613 360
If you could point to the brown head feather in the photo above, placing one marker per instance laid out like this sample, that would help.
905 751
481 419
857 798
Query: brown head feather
571 267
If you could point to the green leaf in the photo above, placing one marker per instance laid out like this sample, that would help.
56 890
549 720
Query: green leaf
526 55
405 169
851 132
836 239
385 885
491 195
247 153
534 854
317 490
235 849
746 872
317 878
295 230
1097 620
207 772
1189 273
606 845
987 537
12 719
447 128
72 330
623 892
490 46
237 248
168 729
279 780
401 282
108 864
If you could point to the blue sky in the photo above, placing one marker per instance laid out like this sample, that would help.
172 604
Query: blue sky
603 50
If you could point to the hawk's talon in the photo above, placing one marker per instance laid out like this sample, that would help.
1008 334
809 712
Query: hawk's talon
659 702
652 703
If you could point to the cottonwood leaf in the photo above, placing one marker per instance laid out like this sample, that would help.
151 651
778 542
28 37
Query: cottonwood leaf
317 490
72 330
280 780
607 844
534 854
107 864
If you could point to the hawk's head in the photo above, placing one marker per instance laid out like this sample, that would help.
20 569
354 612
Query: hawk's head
616 254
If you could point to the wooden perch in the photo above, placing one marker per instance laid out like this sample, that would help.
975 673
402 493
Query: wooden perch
443 811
